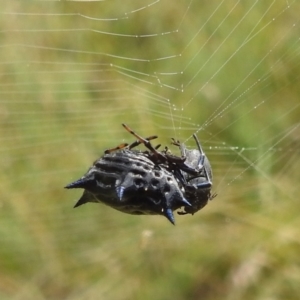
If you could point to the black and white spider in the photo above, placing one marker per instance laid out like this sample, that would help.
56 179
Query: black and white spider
149 182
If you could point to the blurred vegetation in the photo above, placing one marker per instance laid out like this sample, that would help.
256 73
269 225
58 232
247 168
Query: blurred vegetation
64 92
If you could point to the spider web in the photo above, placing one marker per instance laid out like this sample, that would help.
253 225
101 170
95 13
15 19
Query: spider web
73 71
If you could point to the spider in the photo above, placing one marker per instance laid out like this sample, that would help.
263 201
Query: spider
148 182
192 169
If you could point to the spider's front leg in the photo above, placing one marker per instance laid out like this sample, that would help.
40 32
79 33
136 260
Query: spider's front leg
202 154
138 142
146 142
121 146
181 147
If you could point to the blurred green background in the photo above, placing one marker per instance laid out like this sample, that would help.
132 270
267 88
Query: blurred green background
72 72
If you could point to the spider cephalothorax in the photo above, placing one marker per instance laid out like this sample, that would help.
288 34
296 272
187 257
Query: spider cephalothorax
148 182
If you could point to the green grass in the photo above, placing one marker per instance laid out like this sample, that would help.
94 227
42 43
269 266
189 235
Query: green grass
57 116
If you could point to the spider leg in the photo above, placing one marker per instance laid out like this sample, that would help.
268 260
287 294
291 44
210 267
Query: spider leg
201 165
174 142
146 142
181 147
205 184
134 144
138 142
121 146
202 155
181 179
